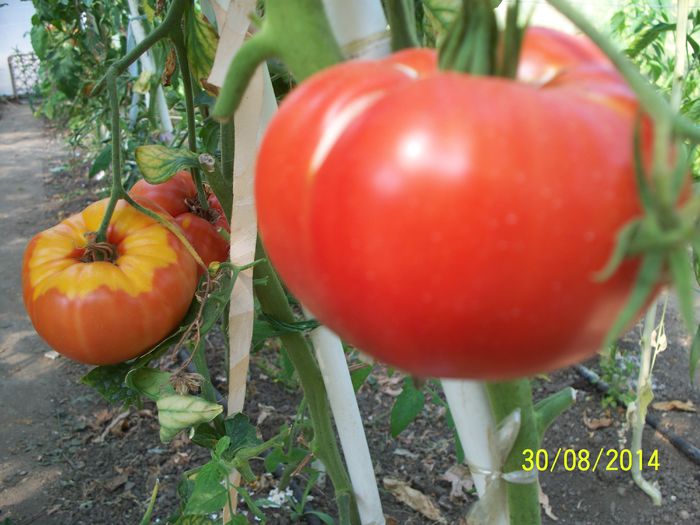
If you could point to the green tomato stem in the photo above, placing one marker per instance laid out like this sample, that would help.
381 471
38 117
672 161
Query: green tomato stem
638 414
252 53
505 397
172 20
547 410
222 182
117 190
181 51
274 303
172 228
297 32
402 21
199 360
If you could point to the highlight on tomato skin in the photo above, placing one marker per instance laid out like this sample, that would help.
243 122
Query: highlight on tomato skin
106 312
178 196
452 225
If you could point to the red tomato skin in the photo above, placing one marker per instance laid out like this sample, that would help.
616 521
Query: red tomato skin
454 226
107 323
172 196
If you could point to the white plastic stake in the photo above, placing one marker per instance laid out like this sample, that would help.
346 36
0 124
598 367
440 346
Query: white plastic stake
360 27
348 421
471 413
148 65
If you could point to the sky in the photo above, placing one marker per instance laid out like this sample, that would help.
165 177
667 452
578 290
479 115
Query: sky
15 23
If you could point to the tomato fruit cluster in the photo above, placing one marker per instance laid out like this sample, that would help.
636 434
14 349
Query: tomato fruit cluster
452 225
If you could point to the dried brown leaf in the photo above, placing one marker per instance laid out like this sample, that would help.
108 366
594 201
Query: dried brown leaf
414 499
170 63
597 423
544 502
675 404
116 482
265 412
461 480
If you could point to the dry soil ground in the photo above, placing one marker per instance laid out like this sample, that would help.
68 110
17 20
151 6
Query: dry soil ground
67 458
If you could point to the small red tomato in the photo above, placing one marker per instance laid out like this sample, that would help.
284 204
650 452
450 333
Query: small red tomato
107 311
178 196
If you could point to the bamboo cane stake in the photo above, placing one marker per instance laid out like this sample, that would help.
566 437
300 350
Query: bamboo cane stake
250 119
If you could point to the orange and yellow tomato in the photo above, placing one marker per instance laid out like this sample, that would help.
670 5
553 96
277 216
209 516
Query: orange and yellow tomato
107 312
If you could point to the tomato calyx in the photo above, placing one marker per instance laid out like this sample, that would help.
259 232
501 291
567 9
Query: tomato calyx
96 251
476 45
210 214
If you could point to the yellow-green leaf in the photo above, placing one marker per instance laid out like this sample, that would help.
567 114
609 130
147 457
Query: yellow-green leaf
148 11
176 413
143 83
159 163
201 41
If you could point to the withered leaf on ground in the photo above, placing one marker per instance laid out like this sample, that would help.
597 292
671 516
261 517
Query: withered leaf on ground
116 482
675 404
597 423
461 480
544 502
414 499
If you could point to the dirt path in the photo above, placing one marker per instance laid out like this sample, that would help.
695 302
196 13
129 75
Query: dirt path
29 382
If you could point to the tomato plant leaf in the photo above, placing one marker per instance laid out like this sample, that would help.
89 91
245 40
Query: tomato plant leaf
150 382
176 413
217 300
241 432
196 520
159 163
647 37
210 134
275 458
201 41
40 41
407 407
359 376
205 436
102 161
325 518
209 494
109 382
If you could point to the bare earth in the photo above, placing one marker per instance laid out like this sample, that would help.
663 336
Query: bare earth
68 458
29 383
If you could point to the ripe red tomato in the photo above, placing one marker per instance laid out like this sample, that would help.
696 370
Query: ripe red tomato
178 196
107 312
451 225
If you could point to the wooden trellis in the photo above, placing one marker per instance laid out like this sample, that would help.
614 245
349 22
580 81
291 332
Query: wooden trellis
24 73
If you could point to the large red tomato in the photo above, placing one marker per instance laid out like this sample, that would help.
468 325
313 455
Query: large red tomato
178 196
106 312
452 225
